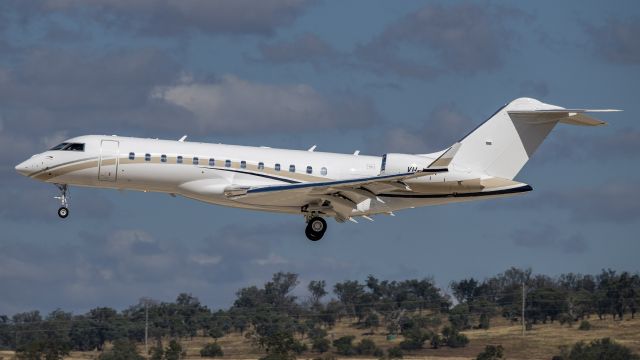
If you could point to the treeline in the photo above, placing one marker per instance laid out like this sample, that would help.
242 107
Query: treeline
282 325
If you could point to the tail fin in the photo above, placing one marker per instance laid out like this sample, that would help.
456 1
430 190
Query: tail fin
504 143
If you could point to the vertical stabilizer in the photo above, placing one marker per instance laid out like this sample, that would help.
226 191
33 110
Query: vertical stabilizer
506 141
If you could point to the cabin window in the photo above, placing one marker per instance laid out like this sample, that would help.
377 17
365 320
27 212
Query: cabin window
323 171
163 158
277 167
243 164
212 162
227 163
309 170
195 160
132 156
292 168
179 159
147 157
260 165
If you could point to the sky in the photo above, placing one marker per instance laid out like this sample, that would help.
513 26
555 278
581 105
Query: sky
374 76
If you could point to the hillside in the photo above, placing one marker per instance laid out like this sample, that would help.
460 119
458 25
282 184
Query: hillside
542 342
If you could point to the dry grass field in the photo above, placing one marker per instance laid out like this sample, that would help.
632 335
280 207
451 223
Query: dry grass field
540 343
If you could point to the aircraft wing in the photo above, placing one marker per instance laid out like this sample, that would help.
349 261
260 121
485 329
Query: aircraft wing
337 198
334 198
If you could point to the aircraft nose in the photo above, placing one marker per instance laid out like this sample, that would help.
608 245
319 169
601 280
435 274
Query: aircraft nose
23 168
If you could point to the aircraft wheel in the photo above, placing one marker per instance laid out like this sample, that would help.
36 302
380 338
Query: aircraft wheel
63 212
316 228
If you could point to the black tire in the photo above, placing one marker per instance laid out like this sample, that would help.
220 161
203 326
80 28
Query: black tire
63 212
316 228
312 235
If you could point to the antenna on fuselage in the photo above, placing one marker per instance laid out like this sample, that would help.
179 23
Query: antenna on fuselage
182 138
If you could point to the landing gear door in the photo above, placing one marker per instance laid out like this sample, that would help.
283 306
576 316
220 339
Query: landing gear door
108 167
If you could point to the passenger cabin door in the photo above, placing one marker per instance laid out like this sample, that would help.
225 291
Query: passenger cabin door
108 168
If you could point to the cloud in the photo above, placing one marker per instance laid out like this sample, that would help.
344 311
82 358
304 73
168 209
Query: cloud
614 202
235 105
306 48
35 204
616 40
548 237
465 38
118 267
534 88
444 125
170 17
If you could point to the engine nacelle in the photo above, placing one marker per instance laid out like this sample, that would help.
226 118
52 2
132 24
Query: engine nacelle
401 163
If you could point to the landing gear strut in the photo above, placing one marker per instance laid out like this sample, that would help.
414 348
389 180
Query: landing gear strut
316 226
63 211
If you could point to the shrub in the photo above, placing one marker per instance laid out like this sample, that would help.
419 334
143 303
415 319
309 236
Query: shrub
174 351
453 338
436 341
367 347
344 345
123 349
598 349
211 350
491 352
298 347
459 317
394 353
320 345
584 325
484 321
565 318
415 338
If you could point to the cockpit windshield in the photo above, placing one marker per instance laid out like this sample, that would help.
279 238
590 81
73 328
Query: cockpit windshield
69 147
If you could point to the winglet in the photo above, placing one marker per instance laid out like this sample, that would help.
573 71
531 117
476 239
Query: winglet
443 161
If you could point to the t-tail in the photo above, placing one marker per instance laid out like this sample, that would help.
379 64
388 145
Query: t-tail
501 146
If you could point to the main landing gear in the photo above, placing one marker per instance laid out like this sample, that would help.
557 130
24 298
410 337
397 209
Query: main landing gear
63 211
316 226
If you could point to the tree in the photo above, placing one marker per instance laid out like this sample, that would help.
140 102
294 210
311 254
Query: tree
122 349
372 321
174 351
349 293
317 290
211 350
465 290
459 317
48 339
104 321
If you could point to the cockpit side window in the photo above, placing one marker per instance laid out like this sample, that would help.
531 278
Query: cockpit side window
74 147
59 146
69 147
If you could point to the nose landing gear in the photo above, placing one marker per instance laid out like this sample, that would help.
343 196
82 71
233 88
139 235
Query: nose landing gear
316 227
63 211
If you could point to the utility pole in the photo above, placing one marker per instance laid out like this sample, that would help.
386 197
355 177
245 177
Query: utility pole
146 328
523 327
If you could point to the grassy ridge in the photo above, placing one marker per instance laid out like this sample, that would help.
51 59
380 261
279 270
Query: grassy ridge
542 342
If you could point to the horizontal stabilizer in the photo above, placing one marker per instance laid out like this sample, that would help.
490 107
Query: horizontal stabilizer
565 116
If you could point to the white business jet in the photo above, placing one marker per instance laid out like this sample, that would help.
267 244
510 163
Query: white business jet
314 184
